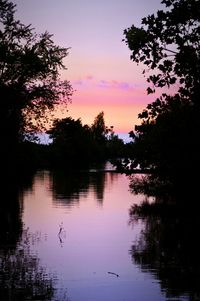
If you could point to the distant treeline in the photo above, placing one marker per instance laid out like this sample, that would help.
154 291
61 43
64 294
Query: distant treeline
74 145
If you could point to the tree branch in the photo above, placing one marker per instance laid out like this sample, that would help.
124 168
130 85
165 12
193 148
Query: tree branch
170 50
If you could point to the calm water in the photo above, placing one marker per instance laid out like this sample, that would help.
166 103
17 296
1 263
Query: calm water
73 240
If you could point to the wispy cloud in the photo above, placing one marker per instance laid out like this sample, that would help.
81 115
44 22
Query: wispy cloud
114 84
85 81
78 82
89 80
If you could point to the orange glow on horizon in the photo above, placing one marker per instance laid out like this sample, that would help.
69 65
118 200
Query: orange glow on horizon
98 63
123 119
121 102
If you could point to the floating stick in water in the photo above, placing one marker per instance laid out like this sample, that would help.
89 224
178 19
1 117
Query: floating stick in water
113 274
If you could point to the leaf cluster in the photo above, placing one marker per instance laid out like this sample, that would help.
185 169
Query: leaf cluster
168 41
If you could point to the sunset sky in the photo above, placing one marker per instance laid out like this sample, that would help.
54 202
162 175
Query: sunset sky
98 65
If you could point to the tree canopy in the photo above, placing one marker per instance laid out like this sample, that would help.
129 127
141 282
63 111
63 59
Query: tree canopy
75 144
30 83
168 42
71 144
99 128
168 45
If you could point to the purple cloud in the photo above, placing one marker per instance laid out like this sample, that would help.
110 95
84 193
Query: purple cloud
78 82
113 84
105 84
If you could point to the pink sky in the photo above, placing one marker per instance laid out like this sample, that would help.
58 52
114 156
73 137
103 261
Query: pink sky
98 64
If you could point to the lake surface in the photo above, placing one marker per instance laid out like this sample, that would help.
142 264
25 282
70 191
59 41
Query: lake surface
71 238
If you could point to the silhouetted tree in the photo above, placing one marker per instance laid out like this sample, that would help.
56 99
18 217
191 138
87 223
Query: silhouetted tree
99 128
77 145
167 142
29 77
101 135
168 44
72 142
115 146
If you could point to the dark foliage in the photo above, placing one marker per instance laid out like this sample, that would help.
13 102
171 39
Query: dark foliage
167 140
30 84
77 145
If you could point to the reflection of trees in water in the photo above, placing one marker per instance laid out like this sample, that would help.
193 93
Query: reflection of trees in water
169 249
21 276
168 245
180 191
11 207
67 188
97 181
10 217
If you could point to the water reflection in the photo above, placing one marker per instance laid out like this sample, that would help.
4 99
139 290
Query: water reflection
21 275
73 241
68 188
11 207
87 243
168 246
22 278
10 216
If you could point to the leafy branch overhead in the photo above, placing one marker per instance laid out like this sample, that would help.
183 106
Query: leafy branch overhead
168 45
169 41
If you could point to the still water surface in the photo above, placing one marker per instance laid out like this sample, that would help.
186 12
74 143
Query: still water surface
77 239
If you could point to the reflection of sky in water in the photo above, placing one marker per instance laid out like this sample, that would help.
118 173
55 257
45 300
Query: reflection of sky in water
95 236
